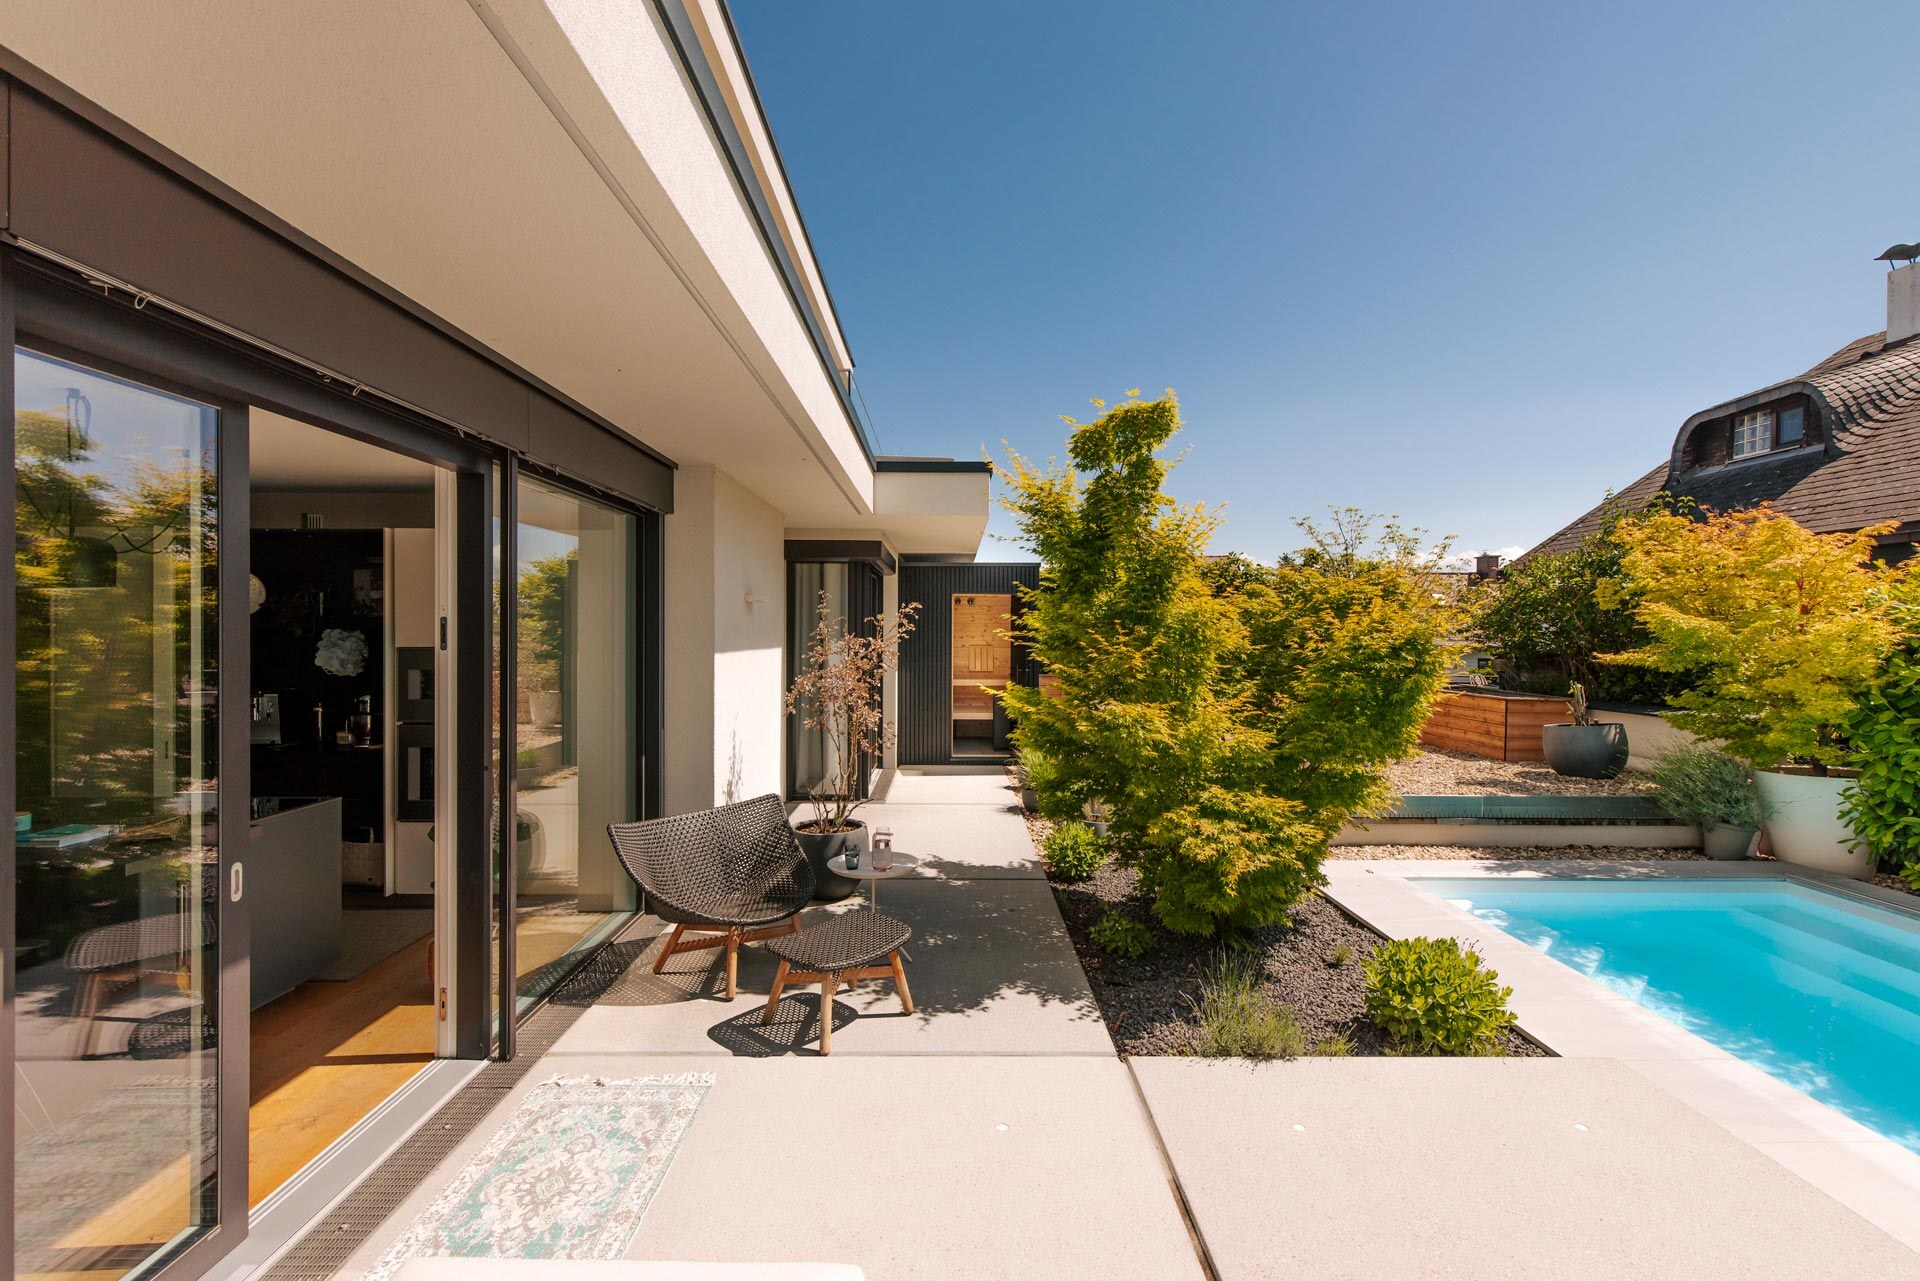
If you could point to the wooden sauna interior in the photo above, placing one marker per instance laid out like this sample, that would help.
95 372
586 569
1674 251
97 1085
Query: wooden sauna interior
982 666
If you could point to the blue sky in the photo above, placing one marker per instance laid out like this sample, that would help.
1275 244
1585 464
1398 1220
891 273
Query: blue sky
1471 264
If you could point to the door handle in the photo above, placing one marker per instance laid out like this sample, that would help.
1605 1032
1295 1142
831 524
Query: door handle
236 881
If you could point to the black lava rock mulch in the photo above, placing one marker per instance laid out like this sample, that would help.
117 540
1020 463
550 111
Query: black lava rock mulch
1313 965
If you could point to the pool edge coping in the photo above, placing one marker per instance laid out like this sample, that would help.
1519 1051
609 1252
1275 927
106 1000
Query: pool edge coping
1576 1017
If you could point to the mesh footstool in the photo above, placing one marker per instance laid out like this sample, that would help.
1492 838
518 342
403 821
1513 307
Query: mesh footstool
842 950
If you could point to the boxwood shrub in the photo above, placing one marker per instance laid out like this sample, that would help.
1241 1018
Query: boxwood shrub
1433 996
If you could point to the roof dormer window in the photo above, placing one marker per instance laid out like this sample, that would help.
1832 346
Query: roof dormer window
1753 433
1761 431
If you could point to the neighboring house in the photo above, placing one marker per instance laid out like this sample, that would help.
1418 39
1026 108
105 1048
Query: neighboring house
1836 448
420 413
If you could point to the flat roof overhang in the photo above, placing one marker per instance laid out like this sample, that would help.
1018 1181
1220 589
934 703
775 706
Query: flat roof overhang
548 187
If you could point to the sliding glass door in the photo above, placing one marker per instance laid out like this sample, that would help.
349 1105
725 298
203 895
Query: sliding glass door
119 877
577 716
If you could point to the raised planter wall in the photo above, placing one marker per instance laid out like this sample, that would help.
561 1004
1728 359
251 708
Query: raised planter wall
1497 725
1508 821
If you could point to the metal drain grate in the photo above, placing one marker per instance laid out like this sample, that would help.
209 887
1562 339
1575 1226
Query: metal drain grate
327 1246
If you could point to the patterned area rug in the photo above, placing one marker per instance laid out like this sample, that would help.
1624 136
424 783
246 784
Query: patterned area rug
567 1176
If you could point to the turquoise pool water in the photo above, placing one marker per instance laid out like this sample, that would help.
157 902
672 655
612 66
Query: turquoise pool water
1821 990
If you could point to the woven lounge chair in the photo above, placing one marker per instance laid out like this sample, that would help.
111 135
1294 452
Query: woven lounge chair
728 876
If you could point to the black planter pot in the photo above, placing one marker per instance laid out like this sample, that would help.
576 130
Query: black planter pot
1585 751
828 885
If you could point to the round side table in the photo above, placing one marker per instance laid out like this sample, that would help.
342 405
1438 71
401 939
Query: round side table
902 864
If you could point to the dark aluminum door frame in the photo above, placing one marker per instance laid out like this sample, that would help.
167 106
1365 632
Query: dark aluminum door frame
42 315
9 868
234 786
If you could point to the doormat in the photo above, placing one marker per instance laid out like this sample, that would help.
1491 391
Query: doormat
567 1176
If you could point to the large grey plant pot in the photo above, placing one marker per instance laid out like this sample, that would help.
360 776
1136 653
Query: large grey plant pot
1724 842
1585 751
829 886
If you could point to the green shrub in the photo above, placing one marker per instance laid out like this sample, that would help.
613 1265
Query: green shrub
1228 724
1694 783
1121 935
1433 996
1337 1046
1911 875
1073 852
1883 805
1784 626
1340 955
1240 1021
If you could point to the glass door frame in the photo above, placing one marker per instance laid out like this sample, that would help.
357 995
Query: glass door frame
42 312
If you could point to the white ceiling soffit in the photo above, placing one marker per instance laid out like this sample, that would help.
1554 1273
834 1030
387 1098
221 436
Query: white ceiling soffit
571 212
284 453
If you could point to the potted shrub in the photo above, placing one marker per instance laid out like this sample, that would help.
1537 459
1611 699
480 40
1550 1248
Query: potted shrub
838 694
1696 784
1787 629
1582 747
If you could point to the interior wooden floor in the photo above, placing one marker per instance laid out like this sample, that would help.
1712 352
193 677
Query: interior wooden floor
326 1054
323 1057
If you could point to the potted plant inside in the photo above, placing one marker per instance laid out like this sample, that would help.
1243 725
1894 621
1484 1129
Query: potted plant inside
837 694
1786 629
1696 784
1583 747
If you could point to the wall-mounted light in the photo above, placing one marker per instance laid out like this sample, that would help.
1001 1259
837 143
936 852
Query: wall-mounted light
754 598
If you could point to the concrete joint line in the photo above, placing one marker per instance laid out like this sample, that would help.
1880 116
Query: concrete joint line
535 81
1194 1235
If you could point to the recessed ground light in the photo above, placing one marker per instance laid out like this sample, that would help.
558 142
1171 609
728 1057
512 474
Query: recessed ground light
1580 1127
1001 1126
1300 1128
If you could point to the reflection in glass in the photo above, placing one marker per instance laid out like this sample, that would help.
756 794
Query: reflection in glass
576 725
811 587
116 955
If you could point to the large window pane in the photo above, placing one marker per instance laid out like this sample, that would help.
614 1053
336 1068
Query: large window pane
115 771
811 587
576 720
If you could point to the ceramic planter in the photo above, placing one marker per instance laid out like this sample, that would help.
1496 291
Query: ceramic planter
1804 824
829 886
1724 842
1585 751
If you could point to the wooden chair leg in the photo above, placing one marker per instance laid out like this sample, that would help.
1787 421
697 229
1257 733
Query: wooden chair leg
779 981
733 962
900 981
828 986
673 941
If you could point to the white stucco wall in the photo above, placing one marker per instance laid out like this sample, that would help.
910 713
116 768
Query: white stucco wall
725 660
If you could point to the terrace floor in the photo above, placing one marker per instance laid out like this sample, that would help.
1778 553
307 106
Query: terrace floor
995 1132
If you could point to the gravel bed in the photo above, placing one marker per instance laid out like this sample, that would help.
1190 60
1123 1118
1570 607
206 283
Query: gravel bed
1436 771
1518 854
1148 1004
1887 880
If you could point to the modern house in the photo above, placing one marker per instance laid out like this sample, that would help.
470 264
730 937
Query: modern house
1836 448
432 432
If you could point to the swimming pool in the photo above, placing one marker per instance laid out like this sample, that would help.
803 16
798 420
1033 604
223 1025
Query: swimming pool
1820 990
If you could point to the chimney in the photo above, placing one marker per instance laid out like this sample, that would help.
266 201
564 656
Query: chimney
1487 565
1903 303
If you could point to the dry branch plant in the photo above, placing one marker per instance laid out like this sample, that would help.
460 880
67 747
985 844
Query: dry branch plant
838 693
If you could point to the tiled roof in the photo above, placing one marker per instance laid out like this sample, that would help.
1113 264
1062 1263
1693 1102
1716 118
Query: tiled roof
1868 471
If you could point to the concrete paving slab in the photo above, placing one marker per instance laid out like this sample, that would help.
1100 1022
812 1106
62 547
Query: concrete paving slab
969 786
1485 1169
920 1167
960 840
991 968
